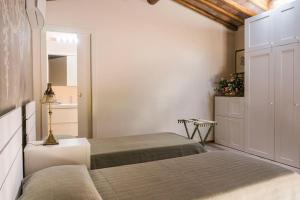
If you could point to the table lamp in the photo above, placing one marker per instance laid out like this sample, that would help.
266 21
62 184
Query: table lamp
49 98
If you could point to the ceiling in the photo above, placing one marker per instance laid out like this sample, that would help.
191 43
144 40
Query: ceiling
230 13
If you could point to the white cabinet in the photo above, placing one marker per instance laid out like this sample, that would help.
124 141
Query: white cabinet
286 26
236 133
65 120
221 130
258 34
287 148
273 28
236 107
229 114
221 106
259 87
64 114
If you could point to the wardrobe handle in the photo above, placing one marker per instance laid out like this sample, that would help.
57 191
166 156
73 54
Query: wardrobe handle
271 103
296 104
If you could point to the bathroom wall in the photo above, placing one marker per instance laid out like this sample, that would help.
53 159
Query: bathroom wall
66 94
15 55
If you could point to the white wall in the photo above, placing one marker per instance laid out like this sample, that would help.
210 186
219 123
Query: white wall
60 48
239 36
276 3
154 64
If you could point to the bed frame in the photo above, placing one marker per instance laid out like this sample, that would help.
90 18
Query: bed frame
29 121
11 154
16 128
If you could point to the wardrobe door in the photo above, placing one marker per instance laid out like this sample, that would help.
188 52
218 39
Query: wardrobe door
286 134
259 85
258 31
286 26
297 98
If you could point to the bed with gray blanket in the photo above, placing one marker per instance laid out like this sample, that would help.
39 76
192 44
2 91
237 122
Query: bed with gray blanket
111 152
208 176
213 175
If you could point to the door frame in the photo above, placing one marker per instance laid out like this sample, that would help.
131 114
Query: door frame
43 71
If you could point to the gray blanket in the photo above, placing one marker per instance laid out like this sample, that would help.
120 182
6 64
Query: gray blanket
110 152
214 175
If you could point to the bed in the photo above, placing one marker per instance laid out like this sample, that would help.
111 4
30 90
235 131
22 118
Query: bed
29 123
117 151
213 175
111 152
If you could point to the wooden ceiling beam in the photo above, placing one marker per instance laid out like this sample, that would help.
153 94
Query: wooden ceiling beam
221 10
239 8
207 14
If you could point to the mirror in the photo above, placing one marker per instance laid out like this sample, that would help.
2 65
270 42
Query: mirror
62 70
62 58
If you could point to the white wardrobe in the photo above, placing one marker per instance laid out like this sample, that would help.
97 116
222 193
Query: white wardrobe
272 81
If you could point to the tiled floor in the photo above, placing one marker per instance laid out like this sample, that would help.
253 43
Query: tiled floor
216 147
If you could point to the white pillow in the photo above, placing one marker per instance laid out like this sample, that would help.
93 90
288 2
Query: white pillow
68 182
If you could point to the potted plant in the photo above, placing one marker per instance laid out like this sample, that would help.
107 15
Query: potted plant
233 86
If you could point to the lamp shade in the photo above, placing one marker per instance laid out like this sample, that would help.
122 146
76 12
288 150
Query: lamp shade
49 96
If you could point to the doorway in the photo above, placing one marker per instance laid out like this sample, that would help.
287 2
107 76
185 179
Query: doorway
67 67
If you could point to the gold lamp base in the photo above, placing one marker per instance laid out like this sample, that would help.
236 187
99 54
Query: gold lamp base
50 140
